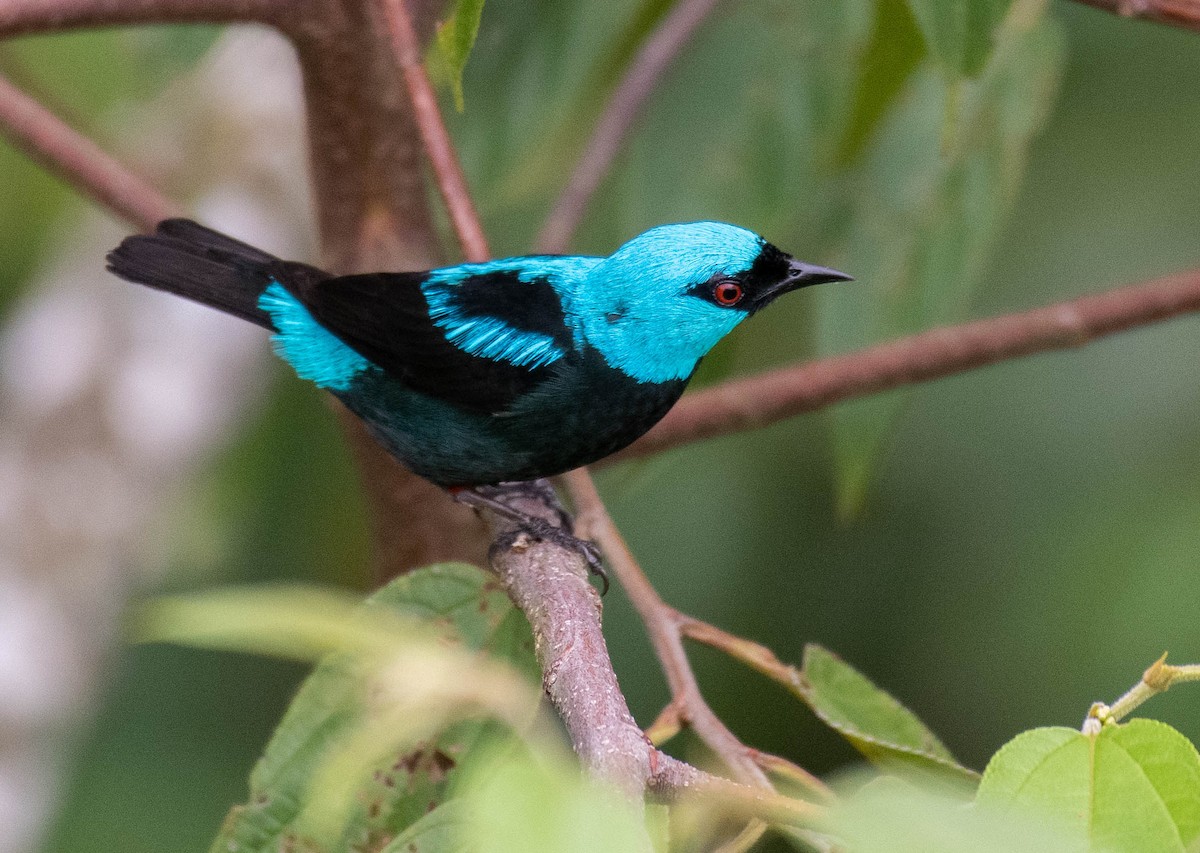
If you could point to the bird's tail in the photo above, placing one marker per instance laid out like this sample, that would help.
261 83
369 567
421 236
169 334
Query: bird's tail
185 258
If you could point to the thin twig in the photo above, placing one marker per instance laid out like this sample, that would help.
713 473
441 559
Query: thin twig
619 115
451 181
757 401
22 17
1158 678
78 161
1178 13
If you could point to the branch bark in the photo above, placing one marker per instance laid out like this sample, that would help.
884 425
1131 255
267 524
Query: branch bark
1177 13
758 401
23 17
78 161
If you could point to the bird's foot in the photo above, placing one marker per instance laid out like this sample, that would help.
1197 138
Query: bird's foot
493 498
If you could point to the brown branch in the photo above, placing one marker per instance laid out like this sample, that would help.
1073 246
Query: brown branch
664 625
758 401
1178 13
22 17
78 161
451 181
618 118
550 586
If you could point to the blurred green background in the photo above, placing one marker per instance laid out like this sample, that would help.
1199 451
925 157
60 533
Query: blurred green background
998 549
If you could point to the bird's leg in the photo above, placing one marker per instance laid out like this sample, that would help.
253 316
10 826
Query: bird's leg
493 498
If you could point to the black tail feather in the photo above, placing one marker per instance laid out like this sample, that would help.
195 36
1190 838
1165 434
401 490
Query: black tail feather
185 258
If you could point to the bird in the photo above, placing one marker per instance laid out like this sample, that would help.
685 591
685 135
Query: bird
481 374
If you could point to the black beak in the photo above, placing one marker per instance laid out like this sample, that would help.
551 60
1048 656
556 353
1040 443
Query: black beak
801 274
798 275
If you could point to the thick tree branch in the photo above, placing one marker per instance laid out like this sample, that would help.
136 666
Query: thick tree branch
368 176
21 17
1178 13
619 115
757 401
78 161
550 586
664 625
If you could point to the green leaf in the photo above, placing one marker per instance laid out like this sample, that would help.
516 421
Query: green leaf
936 185
465 607
1131 788
454 39
876 724
960 34
440 831
517 802
889 815
895 50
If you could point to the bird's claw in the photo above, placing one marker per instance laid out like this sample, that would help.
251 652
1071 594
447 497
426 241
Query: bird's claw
492 497
544 531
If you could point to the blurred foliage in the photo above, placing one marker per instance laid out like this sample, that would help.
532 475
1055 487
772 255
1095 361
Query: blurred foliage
1027 540
453 40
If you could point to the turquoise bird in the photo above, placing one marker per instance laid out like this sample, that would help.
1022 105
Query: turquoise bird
511 370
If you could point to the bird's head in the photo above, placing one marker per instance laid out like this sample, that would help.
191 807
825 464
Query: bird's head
655 306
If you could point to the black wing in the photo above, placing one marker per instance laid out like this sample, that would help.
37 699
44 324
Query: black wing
385 317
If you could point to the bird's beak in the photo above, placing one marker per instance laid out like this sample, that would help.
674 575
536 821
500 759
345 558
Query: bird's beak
801 274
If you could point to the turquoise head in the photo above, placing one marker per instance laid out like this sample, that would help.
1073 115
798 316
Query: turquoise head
658 304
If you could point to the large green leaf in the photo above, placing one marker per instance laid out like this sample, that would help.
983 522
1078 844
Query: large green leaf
889 815
466 607
876 724
1133 788
936 185
513 801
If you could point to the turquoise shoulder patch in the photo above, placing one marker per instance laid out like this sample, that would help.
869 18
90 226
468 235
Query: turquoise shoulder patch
314 352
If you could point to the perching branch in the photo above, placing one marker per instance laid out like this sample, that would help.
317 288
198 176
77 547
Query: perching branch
550 586
78 161
23 17
1177 13
619 115
758 401
663 623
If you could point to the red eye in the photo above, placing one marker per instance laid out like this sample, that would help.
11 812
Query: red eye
728 292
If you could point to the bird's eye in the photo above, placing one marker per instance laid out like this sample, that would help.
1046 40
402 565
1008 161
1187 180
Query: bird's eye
728 292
